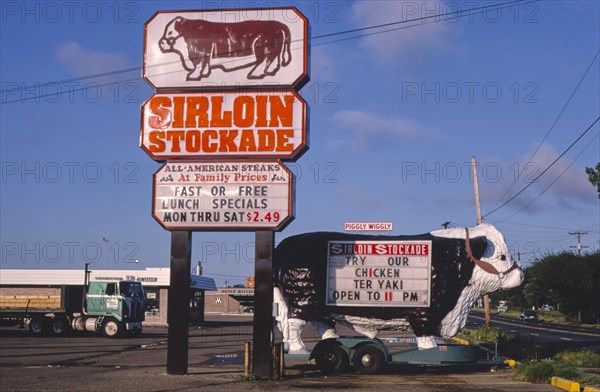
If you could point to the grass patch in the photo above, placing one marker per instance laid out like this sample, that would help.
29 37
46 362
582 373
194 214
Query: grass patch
563 365
485 335
536 372
584 358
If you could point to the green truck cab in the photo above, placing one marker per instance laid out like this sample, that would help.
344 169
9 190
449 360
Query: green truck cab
115 307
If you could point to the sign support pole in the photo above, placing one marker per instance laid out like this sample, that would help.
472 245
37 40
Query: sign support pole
179 302
262 362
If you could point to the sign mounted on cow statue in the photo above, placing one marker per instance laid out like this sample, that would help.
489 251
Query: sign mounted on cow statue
427 283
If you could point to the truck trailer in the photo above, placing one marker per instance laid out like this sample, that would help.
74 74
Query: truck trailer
114 308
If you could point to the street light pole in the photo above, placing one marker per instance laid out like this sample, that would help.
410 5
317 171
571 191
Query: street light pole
105 253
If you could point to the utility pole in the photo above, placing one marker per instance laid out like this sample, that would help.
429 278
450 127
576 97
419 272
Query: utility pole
579 246
486 297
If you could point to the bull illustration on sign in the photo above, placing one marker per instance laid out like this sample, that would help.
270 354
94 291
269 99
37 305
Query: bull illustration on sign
464 264
203 46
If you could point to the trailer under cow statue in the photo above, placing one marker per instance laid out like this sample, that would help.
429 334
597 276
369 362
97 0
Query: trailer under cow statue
427 283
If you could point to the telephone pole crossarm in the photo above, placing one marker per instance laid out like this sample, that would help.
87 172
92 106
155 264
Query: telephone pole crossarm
578 246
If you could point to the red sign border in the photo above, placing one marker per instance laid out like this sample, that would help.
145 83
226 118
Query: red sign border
300 82
282 225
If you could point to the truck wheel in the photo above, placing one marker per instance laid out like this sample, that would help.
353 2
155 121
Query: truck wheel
369 359
111 328
332 359
59 326
36 325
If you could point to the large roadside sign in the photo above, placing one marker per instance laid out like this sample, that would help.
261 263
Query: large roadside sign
219 195
379 273
227 49
249 124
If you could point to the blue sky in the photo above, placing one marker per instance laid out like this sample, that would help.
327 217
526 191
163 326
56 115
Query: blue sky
395 117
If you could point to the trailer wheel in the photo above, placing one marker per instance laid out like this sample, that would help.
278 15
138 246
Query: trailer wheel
111 328
36 325
59 326
332 359
368 359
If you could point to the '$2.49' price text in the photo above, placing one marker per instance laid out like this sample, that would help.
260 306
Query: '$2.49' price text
260 216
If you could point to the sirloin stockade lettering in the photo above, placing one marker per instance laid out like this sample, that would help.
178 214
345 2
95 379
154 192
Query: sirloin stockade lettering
407 249
221 124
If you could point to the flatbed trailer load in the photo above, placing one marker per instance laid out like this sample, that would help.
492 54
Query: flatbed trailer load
21 308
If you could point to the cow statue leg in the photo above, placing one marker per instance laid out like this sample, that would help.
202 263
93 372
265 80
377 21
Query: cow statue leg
324 329
425 342
294 342
291 328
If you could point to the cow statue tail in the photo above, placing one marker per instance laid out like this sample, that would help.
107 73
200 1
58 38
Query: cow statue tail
286 53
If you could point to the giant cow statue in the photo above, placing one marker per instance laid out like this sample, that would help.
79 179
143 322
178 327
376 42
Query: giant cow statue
465 264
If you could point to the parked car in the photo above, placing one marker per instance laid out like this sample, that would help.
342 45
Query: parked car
529 315
502 308
549 308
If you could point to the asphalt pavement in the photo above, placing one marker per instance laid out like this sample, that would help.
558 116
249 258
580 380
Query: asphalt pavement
92 363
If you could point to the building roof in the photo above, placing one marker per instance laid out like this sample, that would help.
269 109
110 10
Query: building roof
71 277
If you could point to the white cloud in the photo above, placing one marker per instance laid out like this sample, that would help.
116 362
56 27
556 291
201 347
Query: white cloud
571 190
572 185
82 61
405 45
370 130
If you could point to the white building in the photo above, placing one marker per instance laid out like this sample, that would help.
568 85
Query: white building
156 282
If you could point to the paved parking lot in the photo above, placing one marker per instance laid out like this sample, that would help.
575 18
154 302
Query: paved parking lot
92 363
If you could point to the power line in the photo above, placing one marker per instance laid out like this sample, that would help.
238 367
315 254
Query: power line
530 225
559 176
453 13
544 171
553 124
420 19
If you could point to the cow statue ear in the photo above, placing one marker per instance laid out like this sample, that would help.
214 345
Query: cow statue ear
178 21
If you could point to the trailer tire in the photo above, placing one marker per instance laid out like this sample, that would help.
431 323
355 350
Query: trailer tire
59 326
37 325
332 359
369 359
111 328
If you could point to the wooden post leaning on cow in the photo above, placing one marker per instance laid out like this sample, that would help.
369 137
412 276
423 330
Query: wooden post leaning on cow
486 297
465 263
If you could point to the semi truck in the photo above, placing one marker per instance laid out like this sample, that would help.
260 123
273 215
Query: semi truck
113 308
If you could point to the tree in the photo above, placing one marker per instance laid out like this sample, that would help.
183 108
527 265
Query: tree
570 281
594 176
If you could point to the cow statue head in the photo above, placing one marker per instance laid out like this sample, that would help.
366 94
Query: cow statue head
495 270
